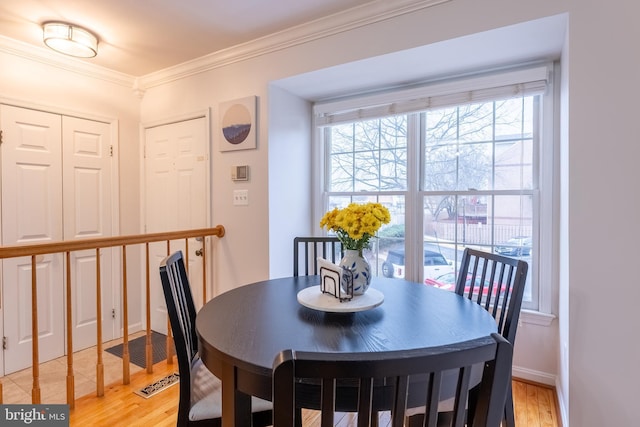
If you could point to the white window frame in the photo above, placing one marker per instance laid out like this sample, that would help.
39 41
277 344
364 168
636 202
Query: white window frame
449 93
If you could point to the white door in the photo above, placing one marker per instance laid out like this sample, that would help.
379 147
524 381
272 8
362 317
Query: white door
176 198
87 182
31 213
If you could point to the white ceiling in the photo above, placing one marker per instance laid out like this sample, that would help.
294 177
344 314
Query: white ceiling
138 37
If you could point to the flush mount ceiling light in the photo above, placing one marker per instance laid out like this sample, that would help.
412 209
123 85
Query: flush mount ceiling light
70 39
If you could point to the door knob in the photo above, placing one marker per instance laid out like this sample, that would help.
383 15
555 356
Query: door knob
199 252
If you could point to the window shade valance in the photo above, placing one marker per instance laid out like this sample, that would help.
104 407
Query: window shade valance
472 90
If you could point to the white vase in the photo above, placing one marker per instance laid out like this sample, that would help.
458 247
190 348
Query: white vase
360 269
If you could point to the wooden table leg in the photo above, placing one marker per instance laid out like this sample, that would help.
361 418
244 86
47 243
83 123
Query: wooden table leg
236 406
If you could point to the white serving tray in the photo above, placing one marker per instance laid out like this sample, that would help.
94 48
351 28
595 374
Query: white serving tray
313 298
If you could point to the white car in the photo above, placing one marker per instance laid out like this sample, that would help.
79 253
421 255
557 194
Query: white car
435 264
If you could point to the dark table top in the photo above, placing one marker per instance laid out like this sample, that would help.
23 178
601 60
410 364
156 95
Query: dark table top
248 326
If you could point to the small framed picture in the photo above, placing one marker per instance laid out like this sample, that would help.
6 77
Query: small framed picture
238 124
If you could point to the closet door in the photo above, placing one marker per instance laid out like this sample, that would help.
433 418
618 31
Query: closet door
31 213
87 171
46 156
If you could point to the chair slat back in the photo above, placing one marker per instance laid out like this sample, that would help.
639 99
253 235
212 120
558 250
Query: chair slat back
496 283
182 316
393 380
182 312
306 251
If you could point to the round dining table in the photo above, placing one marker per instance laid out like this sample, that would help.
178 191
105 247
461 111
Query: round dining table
241 331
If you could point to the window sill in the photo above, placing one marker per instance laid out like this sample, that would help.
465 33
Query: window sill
536 318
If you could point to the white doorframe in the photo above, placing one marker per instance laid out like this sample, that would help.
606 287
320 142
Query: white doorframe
115 220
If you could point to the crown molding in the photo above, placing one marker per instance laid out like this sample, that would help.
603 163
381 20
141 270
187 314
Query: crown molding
337 23
350 19
48 57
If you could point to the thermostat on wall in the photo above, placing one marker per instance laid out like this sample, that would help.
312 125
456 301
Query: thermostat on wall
240 173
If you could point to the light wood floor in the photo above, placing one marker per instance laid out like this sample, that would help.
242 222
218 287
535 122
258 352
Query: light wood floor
535 405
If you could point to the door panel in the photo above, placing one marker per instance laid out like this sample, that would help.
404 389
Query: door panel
176 176
87 213
31 213
45 268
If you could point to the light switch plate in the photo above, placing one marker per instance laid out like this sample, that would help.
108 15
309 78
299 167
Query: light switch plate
240 197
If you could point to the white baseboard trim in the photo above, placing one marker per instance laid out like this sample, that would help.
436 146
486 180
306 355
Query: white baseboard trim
534 376
133 328
564 414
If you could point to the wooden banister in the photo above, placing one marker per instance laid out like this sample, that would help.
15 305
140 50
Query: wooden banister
105 242
71 388
35 392
126 378
66 247
99 362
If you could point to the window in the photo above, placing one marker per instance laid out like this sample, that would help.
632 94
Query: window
457 164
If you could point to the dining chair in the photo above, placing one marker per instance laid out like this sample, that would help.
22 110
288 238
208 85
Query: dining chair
394 378
496 282
306 251
200 391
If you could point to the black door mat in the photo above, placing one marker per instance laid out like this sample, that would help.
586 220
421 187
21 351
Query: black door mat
158 386
137 353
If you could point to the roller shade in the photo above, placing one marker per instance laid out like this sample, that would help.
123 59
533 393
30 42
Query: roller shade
532 81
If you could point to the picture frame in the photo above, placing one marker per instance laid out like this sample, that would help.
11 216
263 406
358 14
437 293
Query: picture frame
238 124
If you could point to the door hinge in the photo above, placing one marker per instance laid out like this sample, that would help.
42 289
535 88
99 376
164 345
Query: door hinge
4 343
113 313
0 137
111 150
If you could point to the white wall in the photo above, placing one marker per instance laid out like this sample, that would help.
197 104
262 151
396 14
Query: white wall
289 177
242 258
602 152
563 243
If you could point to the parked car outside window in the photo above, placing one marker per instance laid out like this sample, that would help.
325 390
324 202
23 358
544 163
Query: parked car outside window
516 246
435 264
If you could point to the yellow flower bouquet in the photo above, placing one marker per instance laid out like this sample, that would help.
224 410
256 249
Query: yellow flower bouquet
356 224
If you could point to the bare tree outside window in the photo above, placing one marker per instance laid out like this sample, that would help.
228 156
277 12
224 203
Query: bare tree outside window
369 155
476 179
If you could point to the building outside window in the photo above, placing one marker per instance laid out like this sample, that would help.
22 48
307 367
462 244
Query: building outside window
458 164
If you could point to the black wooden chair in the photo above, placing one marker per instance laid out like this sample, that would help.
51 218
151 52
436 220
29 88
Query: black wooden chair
200 391
306 251
497 283
395 377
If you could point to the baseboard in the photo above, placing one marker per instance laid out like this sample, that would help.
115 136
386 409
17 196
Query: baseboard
133 328
534 376
562 409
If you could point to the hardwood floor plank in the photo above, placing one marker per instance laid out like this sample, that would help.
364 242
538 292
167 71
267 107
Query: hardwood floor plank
535 405
546 408
533 417
520 403
121 407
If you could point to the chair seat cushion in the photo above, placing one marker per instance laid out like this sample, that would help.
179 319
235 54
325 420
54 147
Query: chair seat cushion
206 394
